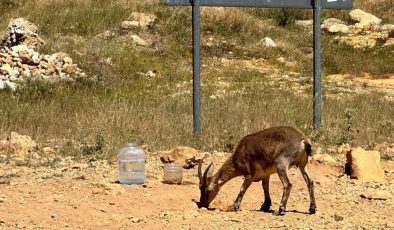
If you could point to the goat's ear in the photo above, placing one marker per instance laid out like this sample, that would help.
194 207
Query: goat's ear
208 172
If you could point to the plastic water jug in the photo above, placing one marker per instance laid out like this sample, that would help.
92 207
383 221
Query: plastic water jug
172 173
131 164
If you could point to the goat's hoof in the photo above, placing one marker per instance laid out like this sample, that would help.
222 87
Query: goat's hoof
312 210
232 208
265 208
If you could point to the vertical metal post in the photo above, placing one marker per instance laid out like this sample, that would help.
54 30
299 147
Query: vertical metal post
316 64
196 68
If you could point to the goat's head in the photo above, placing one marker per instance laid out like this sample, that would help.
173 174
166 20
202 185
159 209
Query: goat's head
208 187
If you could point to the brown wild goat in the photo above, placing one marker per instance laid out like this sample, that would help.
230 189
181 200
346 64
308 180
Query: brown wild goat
257 156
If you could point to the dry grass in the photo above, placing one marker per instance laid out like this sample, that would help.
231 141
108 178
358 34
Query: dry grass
126 106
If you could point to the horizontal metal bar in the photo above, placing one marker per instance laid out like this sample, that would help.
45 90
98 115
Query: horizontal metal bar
327 4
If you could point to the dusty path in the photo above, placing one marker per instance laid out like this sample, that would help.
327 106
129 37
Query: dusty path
83 196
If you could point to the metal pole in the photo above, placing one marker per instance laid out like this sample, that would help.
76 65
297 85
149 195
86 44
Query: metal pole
196 68
316 64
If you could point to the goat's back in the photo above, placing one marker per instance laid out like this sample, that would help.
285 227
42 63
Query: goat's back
262 148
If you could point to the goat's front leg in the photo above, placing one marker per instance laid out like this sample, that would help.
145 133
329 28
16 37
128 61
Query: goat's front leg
282 170
310 184
247 182
267 199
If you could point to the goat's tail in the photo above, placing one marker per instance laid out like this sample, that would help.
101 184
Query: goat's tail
308 148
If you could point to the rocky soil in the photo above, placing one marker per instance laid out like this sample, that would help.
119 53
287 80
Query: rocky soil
70 195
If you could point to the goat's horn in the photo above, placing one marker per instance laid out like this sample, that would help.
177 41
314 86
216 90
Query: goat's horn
200 166
199 169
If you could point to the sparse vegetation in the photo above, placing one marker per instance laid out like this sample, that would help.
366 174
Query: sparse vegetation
93 118
346 136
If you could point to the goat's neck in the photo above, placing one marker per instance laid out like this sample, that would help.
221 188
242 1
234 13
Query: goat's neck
225 173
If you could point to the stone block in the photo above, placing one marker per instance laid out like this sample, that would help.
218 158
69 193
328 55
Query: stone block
365 165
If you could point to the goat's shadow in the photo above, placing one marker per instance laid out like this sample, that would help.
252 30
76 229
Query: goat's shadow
293 211
299 212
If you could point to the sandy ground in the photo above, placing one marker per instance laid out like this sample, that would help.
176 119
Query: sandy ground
86 196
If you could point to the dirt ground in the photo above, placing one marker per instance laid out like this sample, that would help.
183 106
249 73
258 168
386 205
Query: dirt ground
86 196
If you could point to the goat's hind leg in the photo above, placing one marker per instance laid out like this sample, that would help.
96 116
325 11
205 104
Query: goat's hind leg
310 184
247 182
266 207
282 170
